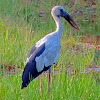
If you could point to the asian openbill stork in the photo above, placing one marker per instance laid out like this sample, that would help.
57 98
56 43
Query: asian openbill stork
45 52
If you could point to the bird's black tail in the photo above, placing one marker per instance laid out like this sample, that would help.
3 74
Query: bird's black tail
30 72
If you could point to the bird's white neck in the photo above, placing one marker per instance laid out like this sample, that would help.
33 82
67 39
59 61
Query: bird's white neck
59 26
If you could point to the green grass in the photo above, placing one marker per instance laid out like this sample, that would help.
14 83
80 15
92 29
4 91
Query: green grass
21 27
63 87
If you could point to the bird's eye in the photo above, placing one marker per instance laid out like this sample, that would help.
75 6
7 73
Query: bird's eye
61 10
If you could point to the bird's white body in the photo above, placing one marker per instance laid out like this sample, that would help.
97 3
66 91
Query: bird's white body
52 47
51 53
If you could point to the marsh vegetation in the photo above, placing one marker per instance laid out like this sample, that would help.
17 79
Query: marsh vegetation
24 22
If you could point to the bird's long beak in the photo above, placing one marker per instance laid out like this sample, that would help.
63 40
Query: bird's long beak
70 20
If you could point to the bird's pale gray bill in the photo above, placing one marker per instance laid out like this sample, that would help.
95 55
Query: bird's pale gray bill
70 20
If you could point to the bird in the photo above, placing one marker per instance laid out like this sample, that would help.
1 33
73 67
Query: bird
45 52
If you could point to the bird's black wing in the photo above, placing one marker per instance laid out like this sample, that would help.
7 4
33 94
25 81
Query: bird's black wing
30 72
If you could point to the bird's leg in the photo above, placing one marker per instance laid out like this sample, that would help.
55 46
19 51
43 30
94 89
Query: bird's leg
40 85
49 80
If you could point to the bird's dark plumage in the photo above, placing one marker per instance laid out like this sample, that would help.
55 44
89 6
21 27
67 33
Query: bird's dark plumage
30 72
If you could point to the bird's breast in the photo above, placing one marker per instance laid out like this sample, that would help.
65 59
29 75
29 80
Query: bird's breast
48 57
51 54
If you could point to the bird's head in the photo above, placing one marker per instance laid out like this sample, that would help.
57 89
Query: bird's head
59 11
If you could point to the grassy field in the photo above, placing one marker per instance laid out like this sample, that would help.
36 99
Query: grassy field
21 26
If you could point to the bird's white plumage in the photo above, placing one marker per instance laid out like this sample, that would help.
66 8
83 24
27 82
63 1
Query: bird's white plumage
52 44
27 60
51 52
